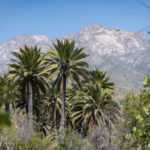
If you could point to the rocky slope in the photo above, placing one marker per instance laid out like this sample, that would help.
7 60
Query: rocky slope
124 54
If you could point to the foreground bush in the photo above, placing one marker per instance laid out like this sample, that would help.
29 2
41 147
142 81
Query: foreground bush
73 141
135 128
36 142
17 136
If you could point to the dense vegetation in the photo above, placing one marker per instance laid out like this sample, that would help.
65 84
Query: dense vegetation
53 101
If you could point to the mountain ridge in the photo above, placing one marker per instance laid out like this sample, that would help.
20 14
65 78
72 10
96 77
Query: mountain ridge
124 54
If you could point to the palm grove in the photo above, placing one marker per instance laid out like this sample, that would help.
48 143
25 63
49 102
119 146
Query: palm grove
57 91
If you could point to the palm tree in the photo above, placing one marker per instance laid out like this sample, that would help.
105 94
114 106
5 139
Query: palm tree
64 62
54 105
92 104
26 70
88 106
7 89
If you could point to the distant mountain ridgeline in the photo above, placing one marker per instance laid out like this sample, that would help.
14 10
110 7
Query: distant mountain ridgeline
124 54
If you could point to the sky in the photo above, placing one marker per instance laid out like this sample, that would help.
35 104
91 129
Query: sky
55 18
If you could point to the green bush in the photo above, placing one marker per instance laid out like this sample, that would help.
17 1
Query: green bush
36 142
72 141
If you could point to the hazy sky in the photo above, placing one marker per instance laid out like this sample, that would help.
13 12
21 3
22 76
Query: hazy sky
54 18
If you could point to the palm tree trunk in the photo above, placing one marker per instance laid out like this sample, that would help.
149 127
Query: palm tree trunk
30 106
7 108
62 122
55 123
110 132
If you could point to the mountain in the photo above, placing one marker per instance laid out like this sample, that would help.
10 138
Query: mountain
124 54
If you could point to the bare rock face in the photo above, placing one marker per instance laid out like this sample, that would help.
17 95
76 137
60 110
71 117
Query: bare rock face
124 54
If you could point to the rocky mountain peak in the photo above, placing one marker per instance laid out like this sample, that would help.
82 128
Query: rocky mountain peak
92 28
112 41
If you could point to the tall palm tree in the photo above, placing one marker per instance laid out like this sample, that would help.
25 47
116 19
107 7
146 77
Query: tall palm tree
25 69
65 64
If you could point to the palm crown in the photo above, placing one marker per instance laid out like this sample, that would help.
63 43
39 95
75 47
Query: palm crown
65 59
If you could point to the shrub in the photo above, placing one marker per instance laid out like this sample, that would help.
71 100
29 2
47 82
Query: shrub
36 142
72 141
